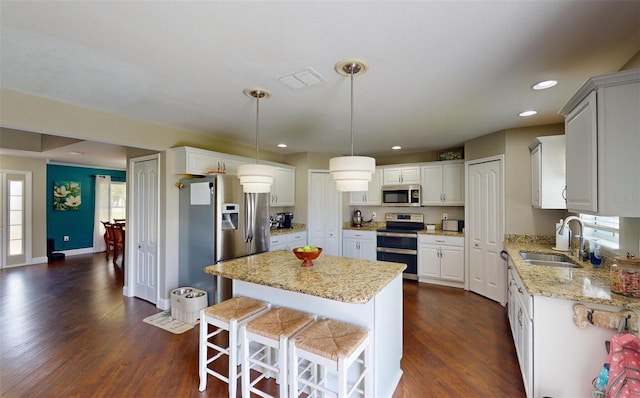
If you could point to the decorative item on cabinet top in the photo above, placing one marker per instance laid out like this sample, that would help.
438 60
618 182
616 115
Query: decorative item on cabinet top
451 154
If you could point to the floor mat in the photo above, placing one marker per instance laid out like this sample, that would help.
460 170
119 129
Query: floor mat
163 320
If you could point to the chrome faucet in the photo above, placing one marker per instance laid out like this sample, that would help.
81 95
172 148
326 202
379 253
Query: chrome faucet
581 252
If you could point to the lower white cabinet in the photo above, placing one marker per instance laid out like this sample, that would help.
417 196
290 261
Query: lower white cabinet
288 241
359 244
521 322
441 259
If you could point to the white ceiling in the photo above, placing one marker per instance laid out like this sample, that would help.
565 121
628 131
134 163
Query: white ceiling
441 72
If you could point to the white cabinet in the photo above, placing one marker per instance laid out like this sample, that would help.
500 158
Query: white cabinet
547 172
284 187
196 161
443 183
401 175
372 197
441 259
288 241
359 244
602 131
521 321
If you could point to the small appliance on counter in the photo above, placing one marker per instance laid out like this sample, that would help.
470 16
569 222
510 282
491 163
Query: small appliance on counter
356 220
284 220
453 225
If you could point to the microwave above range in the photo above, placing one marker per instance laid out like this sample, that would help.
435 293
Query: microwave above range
401 195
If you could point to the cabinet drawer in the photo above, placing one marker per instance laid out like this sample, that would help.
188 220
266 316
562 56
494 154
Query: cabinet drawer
359 235
442 240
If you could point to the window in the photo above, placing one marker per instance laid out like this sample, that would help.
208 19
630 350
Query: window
118 200
16 217
605 229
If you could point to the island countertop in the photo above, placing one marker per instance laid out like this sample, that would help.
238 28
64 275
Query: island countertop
336 278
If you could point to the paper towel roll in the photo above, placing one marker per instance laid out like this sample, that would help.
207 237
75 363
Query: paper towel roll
562 240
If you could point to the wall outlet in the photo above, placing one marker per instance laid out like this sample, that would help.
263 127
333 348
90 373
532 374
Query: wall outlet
65 238
445 216
373 214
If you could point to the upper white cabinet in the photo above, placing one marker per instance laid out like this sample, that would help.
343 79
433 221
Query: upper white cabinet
443 183
283 191
401 175
372 197
602 131
547 172
197 161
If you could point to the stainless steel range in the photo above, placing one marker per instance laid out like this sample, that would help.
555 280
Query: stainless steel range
398 242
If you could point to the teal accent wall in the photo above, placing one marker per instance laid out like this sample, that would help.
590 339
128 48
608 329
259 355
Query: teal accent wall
77 224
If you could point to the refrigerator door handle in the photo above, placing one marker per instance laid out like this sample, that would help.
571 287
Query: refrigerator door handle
250 217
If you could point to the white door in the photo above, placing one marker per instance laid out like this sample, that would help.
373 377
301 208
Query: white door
15 189
484 230
142 236
324 216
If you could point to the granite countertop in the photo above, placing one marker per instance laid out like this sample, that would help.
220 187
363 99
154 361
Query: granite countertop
586 284
336 278
294 228
373 226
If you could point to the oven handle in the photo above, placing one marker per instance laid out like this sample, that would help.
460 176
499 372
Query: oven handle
397 251
397 234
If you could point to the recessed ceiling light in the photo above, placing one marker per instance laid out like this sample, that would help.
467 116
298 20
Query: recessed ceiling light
544 84
396 147
527 113
74 153
282 145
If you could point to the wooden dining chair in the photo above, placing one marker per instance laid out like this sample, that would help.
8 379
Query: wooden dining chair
109 237
118 244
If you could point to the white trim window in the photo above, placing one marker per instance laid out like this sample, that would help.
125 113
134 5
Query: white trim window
605 229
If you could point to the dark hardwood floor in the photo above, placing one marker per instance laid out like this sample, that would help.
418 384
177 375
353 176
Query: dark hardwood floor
67 331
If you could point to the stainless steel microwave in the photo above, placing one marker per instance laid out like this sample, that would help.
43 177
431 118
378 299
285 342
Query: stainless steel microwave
401 195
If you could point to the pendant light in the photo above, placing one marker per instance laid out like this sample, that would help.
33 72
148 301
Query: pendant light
352 173
254 177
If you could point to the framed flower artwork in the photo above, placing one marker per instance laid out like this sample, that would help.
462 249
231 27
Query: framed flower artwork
66 195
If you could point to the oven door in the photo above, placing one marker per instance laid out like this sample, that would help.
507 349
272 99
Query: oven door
409 257
397 240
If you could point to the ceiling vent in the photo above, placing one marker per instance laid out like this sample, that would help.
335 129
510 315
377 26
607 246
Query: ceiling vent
304 78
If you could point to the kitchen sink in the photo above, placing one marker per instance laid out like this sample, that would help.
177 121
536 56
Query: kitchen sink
552 260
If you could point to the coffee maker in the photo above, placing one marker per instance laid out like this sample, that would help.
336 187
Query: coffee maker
285 220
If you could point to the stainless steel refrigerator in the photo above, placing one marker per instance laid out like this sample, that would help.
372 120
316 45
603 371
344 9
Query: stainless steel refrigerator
218 222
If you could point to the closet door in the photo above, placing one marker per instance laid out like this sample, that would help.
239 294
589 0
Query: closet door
324 219
484 230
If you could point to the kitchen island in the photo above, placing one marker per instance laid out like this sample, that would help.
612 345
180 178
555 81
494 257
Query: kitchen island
363 292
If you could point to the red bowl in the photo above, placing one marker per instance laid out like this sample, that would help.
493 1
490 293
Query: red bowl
307 256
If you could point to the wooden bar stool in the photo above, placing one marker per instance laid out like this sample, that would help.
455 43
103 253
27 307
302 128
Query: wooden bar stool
334 346
227 315
270 330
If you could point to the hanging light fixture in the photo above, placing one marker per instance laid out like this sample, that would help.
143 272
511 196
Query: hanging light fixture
352 173
254 177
